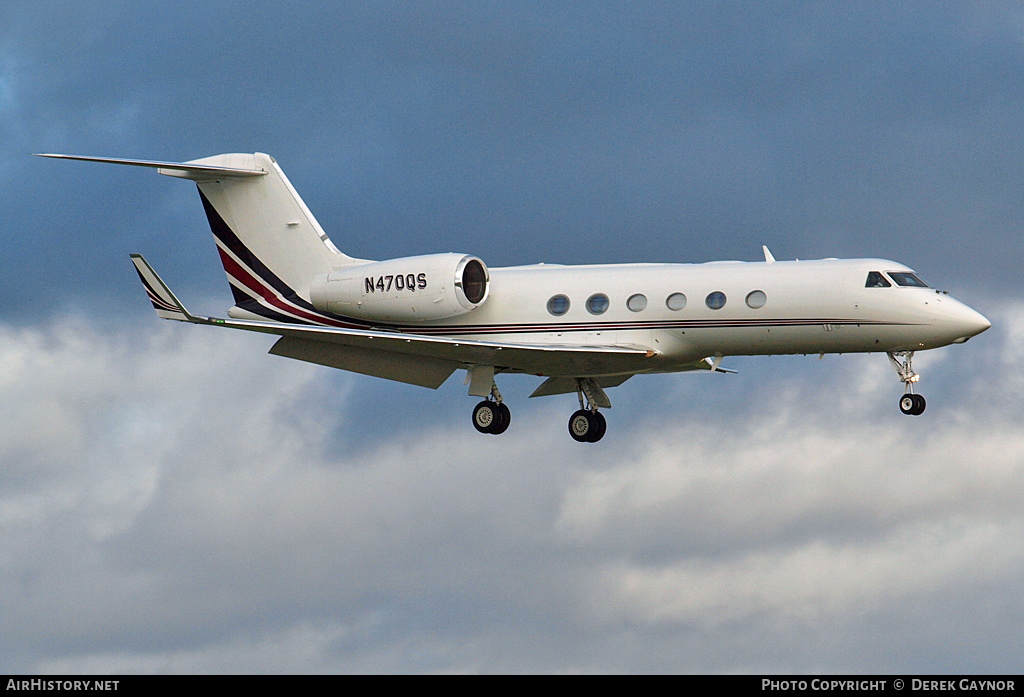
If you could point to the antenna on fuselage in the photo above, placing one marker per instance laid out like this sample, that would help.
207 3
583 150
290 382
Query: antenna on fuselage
769 259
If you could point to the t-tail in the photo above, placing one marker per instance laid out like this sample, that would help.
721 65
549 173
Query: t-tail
270 244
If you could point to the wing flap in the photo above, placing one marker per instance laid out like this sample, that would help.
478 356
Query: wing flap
407 368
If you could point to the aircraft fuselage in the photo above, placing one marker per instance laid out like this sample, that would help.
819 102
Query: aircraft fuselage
730 309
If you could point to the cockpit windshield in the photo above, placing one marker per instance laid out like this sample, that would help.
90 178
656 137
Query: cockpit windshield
876 280
905 278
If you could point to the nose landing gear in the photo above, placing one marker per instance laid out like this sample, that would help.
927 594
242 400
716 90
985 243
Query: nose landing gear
902 362
912 404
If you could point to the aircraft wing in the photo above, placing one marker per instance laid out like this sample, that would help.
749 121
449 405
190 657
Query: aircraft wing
407 357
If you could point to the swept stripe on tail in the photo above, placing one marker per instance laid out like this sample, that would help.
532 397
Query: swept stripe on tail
164 302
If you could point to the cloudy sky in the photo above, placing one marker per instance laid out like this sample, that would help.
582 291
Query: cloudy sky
173 499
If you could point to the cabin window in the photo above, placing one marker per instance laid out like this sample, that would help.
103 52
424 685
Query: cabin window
597 304
715 300
905 278
756 299
675 302
558 305
637 302
876 280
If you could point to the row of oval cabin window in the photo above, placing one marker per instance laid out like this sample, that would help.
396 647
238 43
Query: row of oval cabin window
598 303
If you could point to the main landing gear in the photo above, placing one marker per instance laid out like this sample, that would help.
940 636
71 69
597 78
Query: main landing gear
491 415
910 403
587 425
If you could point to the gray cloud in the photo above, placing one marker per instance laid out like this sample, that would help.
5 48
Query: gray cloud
191 506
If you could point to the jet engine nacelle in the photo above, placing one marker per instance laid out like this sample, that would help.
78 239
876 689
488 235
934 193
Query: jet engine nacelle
410 289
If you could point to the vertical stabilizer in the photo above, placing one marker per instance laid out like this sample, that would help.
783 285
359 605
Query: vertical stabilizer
269 242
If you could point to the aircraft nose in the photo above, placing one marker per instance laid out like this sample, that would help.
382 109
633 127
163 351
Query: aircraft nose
969 322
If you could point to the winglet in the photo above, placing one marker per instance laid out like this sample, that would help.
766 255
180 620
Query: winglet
714 367
166 304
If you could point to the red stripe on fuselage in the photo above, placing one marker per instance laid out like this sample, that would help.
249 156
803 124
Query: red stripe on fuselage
242 275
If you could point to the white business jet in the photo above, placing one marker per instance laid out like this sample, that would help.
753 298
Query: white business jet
582 328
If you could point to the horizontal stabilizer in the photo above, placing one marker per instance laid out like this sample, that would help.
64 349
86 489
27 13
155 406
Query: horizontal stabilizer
185 170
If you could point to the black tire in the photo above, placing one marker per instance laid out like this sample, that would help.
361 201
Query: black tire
486 416
504 419
919 406
600 427
581 426
908 403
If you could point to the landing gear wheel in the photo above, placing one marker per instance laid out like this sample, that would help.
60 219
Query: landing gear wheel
912 404
491 417
920 405
581 426
504 419
486 415
907 404
600 426
902 362
587 426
